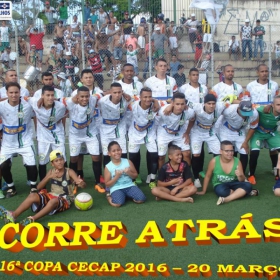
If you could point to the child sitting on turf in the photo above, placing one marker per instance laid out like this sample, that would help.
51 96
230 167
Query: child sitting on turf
43 203
118 175
175 178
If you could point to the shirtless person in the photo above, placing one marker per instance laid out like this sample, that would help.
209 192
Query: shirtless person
22 47
59 32
141 32
111 21
118 41
172 37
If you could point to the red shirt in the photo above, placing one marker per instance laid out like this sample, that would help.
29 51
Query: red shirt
37 40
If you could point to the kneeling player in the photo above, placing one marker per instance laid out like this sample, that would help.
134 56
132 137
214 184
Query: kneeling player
175 178
43 203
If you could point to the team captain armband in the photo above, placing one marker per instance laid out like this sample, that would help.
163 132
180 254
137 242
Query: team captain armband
81 125
12 130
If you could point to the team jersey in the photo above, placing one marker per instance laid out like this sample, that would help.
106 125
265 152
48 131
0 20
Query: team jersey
81 119
162 88
23 92
194 95
49 125
95 90
204 121
267 122
17 124
142 128
262 93
57 94
132 89
222 90
173 124
234 122
113 122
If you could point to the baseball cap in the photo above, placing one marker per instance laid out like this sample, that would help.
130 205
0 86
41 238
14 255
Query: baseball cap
68 53
246 109
55 154
91 51
157 28
209 97
192 15
247 20
61 75
143 20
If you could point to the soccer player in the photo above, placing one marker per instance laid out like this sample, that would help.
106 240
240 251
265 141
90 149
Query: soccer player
172 128
143 131
83 129
118 174
228 178
50 130
45 203
236 119
175 178
162 85
16 116
193 90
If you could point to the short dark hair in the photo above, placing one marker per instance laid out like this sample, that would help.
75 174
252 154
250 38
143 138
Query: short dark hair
82 88
172 148
227 65
46 74
115 84
112 144
145 89
160 59
258 20
225 143
12 84
86 71
181 66
47 88
193 70
178 95
260 65
127 64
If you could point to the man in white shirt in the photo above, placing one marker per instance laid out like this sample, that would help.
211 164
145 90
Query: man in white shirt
234 48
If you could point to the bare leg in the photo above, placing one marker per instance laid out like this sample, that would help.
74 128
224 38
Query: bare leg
52 204
161 161
164 193
26 204
187 191
109 198
187 156
235 195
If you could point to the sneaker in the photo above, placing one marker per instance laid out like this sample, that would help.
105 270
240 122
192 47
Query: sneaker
202 174
254 192
11 192
5 186
220 200
1 194
27 221
197 183
98 187
244 58
101 179
148 180
9 218
252 180
152 185
274 171
138 180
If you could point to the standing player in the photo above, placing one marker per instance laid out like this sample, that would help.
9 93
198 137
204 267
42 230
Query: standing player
142 131
264 90
16 116
162 86
172 128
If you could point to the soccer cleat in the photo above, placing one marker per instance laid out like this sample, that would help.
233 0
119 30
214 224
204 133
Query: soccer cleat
9 218
27 221
152 185
11 192
138 180
1 194
254 192
101 179
252 180
197 183
98 187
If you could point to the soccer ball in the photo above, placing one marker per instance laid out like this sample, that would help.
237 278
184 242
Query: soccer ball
83 201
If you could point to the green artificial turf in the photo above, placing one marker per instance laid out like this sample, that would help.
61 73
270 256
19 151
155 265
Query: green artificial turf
135 217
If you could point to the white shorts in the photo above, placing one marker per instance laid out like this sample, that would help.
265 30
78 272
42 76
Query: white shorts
44 150
105 142
141 42
77 147
134 148
207 38
197 138
176 140
173 43
28 154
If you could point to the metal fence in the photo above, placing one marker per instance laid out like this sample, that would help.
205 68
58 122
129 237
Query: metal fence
70 49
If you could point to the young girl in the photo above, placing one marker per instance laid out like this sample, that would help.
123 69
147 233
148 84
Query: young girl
118 175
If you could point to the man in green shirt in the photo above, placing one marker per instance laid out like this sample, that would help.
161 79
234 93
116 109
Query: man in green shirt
266 133
228 179
258 33
63 11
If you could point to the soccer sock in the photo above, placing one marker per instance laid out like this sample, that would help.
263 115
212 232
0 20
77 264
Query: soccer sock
96 167
74 166
80 173
244 161
135 158
148 157
6 171
106 160
42 171
274 159
153 165
253 161
196 166
32 174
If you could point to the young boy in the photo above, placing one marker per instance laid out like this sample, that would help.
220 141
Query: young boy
131 57
180 77
175 178
118 175
43 203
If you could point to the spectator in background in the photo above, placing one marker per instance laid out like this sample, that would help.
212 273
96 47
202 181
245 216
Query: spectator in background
93 16
132 40
5 56
64 84
173 41
246 38
36 39
52 60
49 11
76 27
191 25
118 41
158 41
4 36
127 25
234 48
32 56
59 48
59 31
22 47
131 57
63 11
141 32
87 10
198 46
203 70
207 36
258 32
174 64
102 17
180 77
277 56
95 63
160 23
